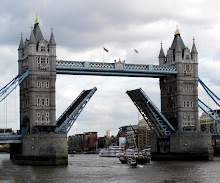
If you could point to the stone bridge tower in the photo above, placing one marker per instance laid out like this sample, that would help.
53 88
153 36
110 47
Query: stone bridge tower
179 103
179 94
37 91
40 144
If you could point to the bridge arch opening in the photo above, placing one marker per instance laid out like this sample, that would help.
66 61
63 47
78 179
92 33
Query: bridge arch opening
110 107
25 125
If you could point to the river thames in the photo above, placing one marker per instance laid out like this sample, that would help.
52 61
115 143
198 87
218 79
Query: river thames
83 168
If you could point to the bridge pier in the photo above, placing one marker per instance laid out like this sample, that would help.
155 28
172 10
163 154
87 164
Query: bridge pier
40 149
184 146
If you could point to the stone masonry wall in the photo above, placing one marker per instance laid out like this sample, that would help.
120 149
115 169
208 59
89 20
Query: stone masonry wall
190 142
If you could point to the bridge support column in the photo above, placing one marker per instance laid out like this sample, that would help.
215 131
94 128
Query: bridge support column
41 149
185 146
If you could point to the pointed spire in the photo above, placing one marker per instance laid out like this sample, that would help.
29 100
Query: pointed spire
37 33
32 39
178 44
21 45
177 38
36 20
177 31
194 50
161 55
52 40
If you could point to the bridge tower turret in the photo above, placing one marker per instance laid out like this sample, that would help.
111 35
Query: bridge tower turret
179 94
37 91
21 48
161 55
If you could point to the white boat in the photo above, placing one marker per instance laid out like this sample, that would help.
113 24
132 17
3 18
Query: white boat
134 155
142 157
132 161
111 151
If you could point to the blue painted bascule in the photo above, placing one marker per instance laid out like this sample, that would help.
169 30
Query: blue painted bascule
157 122
69 116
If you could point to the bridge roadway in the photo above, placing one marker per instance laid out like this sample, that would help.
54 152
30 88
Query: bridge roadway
10 138
113 69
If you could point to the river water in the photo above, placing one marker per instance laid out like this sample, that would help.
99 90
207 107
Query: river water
85 168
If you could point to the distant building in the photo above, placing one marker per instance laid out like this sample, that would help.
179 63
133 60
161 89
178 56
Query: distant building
5 130
131 136
108 133
144 131
90 141
101 142
75 143
208 124
109 141
137 134
121 133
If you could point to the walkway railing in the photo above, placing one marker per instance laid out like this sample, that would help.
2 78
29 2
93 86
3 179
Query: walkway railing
113 69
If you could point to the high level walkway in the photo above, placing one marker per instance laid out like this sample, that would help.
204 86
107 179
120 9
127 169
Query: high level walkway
155 119
66 120
113 69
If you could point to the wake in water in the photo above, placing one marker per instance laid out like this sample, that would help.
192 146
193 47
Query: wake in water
138 166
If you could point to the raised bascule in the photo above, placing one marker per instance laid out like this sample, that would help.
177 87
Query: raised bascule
43 139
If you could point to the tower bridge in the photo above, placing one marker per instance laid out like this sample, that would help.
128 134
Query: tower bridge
44 139
113 69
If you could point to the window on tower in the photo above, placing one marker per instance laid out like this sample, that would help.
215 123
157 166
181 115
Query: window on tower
187 67
42 48
38 84
192 104
42 117
43 60
47 117
38 102
47 84
187 104
42 101
38 117
47 101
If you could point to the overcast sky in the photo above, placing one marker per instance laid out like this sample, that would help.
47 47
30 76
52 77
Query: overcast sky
82 28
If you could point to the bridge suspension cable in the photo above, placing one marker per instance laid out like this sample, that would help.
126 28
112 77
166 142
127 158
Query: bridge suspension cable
215 119
210 92
7 89
214 97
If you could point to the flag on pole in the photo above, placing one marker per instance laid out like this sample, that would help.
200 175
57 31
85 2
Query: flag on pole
105 49
136 51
